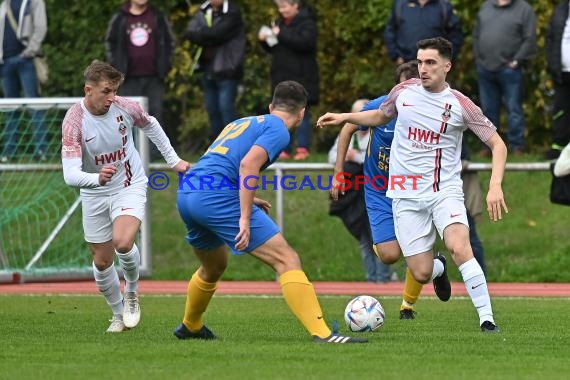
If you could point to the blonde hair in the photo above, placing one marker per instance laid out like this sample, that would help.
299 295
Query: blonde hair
358 105
99 71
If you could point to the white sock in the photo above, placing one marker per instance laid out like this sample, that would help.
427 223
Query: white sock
476 286
108 284
437 268
130 263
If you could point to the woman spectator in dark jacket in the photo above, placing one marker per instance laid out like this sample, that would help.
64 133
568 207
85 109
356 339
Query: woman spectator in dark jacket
292 43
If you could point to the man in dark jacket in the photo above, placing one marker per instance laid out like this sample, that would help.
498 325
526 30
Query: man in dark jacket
218 29
140 44
504 38
414 20
294 57
558 58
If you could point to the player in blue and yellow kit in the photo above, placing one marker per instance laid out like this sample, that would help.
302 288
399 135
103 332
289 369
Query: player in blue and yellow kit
216 200
378 206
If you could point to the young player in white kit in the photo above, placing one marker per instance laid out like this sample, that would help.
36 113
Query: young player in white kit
425 170
99 157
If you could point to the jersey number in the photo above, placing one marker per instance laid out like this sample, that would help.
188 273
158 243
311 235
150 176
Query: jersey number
231 131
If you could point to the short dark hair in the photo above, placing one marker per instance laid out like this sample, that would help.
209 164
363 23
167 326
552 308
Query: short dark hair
408 69
289 96
99 71
443 46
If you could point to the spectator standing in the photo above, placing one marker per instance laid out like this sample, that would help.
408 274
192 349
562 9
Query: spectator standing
140 44
218 29
292 43
558 59
23 27
414 20
504 38
351 207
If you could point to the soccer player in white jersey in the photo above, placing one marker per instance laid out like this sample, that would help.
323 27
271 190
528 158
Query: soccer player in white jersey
425 170
99 157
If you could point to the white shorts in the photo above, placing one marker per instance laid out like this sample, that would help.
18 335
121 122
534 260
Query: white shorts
99 211
415 220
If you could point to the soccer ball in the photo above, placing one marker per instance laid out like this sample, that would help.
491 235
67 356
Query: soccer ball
364 313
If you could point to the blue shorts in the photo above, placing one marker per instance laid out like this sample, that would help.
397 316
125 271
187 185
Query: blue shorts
212 219
381 220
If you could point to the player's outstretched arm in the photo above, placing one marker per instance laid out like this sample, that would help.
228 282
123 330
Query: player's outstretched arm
156 134
495 198
368 118
342 148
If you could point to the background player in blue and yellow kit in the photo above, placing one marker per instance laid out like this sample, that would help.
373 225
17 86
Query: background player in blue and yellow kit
223 211
378 206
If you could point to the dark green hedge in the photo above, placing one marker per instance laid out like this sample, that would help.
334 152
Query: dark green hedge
352 57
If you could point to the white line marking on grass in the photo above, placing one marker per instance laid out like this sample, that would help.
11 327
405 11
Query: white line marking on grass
271 296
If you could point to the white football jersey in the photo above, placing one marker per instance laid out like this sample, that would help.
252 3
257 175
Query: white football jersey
106 139
426 150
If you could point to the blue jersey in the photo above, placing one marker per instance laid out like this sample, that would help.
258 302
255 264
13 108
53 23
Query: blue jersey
208 196
378 152
378 206
218 168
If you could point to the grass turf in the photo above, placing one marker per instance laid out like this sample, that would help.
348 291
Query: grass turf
62 337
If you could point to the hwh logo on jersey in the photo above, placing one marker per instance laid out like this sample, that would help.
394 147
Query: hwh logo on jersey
108 158
421 135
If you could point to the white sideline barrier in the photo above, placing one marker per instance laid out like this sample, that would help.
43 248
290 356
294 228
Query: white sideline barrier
280 168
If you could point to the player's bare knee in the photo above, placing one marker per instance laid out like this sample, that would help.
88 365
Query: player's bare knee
421 275
212 273
388 253
388 257
460 252
123 245
101 263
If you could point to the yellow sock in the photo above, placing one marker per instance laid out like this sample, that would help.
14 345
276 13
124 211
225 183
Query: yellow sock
412 290
302 300
198 297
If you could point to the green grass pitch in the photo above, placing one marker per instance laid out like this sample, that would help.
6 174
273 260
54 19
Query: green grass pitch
62 337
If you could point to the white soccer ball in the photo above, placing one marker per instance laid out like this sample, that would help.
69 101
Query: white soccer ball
364 313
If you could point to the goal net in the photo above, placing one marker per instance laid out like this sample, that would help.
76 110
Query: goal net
41 233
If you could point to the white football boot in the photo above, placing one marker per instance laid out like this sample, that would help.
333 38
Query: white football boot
116 325
132 313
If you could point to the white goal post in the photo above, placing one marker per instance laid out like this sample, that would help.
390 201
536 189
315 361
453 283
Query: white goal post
27 226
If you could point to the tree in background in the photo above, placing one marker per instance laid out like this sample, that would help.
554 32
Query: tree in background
353 61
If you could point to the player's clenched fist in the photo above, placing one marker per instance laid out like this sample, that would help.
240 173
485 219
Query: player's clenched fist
106 173
182 166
